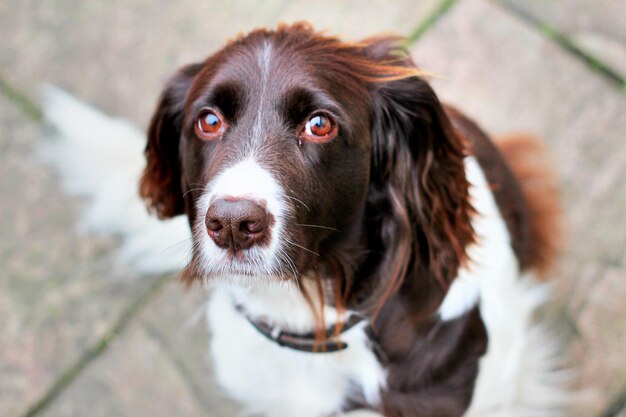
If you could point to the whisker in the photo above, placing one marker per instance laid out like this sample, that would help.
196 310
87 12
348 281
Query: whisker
297 281
318 226
193 189
301 247
285 256
299 201
176 244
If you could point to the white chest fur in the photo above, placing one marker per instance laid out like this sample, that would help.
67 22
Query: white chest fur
282 382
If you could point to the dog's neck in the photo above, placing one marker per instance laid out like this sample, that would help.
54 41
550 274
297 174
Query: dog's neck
284 304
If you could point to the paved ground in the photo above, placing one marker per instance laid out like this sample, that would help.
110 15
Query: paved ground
82 338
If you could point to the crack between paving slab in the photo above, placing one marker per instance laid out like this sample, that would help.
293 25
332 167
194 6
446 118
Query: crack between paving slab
429 21
27 105
179 365
567 44
97 349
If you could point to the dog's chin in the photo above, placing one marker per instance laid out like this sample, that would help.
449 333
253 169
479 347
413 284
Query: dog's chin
242 272
251 282
237 280
275 264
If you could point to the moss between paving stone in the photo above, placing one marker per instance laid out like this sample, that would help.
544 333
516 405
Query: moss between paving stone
97 349
594 62
20 99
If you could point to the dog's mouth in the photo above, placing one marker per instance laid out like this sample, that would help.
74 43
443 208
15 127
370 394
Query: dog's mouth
259 264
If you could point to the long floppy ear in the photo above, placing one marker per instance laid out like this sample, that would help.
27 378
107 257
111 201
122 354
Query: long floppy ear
418 180
160 185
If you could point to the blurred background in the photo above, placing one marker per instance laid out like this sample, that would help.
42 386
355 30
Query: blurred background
82 337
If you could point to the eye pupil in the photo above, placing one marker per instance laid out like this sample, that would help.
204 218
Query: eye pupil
211 120
209 124
320 125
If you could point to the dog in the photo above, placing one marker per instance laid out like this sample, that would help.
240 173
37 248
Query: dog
371 251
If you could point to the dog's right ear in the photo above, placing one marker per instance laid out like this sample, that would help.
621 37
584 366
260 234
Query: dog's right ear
160 185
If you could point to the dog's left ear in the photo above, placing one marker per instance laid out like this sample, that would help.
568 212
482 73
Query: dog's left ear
418 169
160 184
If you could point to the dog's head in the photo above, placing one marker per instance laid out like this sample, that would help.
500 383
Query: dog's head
295 154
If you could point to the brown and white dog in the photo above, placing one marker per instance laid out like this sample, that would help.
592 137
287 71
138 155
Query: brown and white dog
371 251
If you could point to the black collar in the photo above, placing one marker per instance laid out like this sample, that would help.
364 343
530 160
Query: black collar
304 342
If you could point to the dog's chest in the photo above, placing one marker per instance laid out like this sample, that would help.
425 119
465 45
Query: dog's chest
279 381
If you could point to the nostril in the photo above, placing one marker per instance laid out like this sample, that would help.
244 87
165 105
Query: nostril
214 225
217 222
252 227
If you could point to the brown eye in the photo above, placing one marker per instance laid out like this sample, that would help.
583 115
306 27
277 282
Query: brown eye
209 124
320 127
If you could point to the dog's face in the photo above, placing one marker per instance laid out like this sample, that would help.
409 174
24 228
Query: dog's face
287 148
275 154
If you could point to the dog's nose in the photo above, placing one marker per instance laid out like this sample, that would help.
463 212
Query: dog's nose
237 224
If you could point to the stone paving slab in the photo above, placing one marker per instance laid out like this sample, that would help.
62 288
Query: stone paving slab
511 78
158 368
596 27
117 55
57 291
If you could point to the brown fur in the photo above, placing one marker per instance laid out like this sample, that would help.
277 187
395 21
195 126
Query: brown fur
526 157
160 185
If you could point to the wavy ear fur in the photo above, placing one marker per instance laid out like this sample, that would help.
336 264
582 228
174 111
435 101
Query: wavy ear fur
418 181
160 185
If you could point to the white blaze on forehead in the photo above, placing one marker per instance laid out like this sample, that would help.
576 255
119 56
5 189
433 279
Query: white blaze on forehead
247 179
263 58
